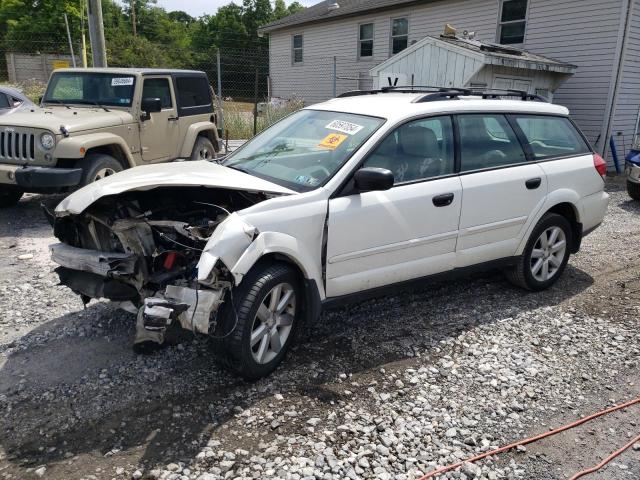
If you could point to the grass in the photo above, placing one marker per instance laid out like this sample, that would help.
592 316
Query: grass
238 119
32 89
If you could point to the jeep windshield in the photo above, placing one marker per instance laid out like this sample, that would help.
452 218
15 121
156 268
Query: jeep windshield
305 149
91 89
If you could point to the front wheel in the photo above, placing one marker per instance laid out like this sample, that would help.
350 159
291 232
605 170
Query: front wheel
10 195
98 166
260 321
545 256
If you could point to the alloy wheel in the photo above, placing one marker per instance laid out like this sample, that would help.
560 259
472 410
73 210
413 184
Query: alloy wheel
273 323
103 173
548 254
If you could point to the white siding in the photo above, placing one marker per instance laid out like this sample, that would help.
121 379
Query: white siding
584 33
313 80
628 101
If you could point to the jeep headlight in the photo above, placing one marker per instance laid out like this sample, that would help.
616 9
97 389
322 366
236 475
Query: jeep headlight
47 141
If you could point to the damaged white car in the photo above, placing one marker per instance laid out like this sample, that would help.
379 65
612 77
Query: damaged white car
339 199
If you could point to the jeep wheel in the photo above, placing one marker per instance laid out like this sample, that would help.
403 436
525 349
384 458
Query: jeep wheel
267 314
9 195
203 150
545 256
98 166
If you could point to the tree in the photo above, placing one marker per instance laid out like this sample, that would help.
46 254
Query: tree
295 7
280 10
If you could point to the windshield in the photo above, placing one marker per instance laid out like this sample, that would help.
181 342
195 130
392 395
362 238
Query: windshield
305 149
90 89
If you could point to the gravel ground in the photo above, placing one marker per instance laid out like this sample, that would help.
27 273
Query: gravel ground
389 388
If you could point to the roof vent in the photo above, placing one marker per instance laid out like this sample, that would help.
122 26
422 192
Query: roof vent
333 6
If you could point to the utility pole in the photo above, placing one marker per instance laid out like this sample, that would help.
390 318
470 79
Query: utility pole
96 34
133 17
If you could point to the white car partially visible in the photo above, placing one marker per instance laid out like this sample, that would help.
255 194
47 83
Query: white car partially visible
338 201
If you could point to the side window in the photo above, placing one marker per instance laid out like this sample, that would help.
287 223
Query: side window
551 136
417 150
193 92
158 88
4 101
297 46
487 141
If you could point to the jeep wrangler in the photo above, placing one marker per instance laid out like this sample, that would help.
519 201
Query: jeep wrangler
93 123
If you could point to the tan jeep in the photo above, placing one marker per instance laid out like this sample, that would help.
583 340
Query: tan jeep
93 123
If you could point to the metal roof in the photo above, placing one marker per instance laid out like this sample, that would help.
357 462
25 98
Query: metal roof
321 11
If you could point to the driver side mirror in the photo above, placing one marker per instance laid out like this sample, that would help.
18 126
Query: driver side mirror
372 179
149 106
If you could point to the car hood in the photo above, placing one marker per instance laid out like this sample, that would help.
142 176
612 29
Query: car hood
177 174
73 119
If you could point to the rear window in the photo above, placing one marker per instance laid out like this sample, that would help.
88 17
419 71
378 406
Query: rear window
193 92
550 137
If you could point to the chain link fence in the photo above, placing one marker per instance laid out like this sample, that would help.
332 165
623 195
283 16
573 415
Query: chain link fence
254 88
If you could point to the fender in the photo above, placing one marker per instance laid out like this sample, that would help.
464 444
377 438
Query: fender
70 147
192 134
556 197
280 243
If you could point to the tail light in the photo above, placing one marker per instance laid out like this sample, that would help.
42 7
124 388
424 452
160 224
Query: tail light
600 165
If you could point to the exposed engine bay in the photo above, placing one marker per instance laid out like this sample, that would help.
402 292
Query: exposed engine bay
142 248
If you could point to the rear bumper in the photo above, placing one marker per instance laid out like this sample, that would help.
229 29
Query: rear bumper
33 178
632 171
594 208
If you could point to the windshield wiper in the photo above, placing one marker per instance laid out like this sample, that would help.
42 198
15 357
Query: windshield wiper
58 102
92 102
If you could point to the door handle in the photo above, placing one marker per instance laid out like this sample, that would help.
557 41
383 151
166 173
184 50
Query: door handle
443 200
533 183
172 119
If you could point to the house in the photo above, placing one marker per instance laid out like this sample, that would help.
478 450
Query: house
336 45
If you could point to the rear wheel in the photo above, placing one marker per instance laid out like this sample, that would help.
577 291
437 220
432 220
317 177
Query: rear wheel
545 256
203 149
10 195
633 189
266 312
98 166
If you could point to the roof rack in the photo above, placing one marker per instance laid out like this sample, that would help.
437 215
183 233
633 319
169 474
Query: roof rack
434 94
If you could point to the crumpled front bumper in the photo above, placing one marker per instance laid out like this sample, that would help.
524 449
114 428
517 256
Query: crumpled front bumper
94 261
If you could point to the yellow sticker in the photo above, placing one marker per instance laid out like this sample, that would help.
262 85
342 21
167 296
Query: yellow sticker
333 141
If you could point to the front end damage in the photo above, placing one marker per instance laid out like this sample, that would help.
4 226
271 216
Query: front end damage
164 253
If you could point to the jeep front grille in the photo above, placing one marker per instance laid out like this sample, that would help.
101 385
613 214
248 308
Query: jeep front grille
17 145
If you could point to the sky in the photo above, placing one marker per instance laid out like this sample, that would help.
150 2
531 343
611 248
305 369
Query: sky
196 8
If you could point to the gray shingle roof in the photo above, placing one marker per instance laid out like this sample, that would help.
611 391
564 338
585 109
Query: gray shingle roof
321 12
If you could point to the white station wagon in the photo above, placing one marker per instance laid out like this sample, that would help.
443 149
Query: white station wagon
339 200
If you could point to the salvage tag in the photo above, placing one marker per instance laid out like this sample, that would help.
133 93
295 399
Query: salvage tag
344 127
332 141
121 81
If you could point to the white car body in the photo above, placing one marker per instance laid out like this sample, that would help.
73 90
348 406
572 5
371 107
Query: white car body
348 244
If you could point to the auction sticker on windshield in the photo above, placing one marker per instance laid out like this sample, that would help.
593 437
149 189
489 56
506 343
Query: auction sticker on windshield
345 127
332 141
121 81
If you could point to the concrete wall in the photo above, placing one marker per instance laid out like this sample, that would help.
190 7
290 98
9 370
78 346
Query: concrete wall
22 67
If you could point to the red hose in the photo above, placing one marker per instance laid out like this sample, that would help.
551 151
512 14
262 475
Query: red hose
606 460
526 441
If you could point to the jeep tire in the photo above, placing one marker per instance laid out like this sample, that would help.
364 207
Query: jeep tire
10 195
97 166
545 256
203 149
260 320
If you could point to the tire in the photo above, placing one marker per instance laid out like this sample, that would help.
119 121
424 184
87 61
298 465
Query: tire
235 349
10 195
633 189
203 149
529 273
98 166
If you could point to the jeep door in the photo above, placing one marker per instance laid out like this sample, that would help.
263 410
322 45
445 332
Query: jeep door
384 237
501 189
160 134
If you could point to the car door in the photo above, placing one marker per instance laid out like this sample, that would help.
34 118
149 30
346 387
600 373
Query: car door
159 134
501 189
384 237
